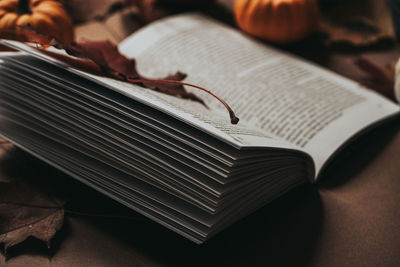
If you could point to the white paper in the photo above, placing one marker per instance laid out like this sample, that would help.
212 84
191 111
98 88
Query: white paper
274 94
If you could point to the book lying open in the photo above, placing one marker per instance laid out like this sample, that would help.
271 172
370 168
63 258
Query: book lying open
173 160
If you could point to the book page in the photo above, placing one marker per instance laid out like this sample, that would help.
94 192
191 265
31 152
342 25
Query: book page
273 93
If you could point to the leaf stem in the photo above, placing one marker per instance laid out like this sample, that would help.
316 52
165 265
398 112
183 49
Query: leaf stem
234 119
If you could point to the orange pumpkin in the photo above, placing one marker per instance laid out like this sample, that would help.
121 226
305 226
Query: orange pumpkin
45 16
279 21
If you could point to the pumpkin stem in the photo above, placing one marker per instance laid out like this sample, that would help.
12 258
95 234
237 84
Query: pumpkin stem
23 7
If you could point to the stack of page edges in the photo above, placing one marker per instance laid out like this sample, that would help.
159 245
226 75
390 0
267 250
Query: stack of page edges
166 169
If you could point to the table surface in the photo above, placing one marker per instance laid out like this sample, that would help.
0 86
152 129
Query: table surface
351 217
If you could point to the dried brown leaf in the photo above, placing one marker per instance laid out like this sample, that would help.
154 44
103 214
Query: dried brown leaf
106 55
112 64
175 89
379 78
359 23
27 212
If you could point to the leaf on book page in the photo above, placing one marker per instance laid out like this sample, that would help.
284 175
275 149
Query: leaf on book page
109 62
174 89
106 55
379 78
113 64
27 212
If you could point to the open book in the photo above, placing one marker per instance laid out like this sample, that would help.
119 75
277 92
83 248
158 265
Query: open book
173 160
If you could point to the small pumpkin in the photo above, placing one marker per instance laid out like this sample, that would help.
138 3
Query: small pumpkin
45 16
279 21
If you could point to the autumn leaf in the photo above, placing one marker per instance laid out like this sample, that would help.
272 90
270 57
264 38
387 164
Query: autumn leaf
358 23
103 58
115 65
35 37
379 78
27 212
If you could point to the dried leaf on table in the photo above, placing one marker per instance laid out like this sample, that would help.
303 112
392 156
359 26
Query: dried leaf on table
379 78
27 212
358 23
